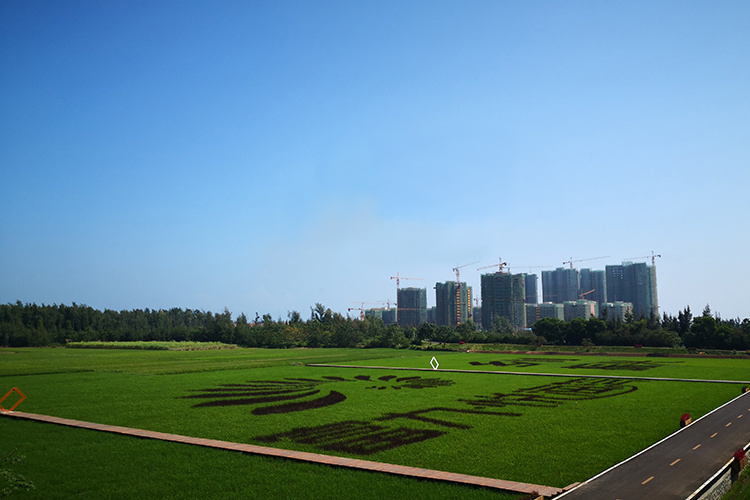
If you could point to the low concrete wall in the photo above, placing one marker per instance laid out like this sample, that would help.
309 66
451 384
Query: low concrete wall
720 487
720 483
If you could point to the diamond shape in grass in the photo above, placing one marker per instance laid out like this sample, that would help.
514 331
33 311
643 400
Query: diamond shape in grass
434 363
17 391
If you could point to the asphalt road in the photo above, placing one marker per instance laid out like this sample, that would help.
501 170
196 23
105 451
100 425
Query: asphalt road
677 466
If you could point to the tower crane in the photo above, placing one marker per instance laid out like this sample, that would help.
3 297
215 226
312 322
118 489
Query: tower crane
653 257
398 279
571 261
586 293
500 265
361 309
458 293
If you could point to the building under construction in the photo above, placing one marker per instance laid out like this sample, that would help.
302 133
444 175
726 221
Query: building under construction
412 307
453 303
636 283
504 295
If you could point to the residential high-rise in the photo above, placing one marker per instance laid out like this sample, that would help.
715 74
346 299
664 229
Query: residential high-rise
412 307
503 295
448 299
532 293
596 281
636 283
560 285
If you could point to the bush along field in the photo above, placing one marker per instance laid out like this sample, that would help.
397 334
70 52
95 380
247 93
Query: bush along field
537 429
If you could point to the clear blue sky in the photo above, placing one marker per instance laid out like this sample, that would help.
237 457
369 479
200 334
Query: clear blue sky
265 156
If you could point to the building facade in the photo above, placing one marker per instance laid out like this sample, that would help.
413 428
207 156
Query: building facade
636 283
412 307
535 312
616 310
532 292
560 285
453 303
593 285
580 308
503 295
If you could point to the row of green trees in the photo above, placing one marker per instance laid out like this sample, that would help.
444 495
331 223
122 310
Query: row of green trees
706 331
32 325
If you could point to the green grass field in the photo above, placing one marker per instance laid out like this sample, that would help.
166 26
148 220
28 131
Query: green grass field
544 430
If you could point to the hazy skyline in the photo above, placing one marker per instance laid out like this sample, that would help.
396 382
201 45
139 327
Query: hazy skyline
267 156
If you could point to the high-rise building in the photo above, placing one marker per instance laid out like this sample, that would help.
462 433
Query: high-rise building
412 306
503 295
593 285
449 298
560 285
432 315
532 293
636 283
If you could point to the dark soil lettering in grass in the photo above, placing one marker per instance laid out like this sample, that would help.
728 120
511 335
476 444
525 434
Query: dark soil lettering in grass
356 437
627 365
553 395
520 363
331 399
272 391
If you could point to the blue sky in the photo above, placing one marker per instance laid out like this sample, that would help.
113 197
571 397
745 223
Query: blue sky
265 156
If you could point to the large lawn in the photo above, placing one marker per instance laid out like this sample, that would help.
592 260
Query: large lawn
543 430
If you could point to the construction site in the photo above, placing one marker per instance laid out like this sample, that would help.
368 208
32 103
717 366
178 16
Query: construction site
567 292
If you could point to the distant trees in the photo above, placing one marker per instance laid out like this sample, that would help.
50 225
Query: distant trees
23 325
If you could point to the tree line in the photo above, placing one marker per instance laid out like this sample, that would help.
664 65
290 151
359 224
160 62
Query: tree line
31 325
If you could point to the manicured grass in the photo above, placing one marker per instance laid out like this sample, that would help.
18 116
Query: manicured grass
65 463
153 345
28 361
689 368
544 430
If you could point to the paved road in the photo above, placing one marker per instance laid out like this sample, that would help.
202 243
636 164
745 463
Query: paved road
677 466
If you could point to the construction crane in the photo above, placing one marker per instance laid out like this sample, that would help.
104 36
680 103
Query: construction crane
458 293
361 309
571 261
586 293
398 279
500 265
653 257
